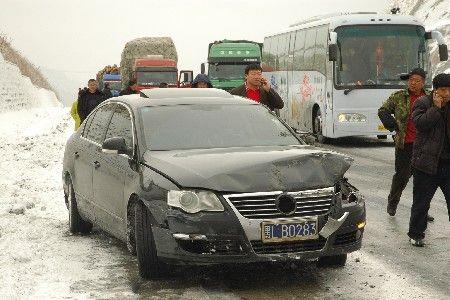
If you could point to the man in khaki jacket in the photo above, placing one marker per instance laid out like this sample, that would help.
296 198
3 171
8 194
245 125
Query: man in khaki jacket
400 105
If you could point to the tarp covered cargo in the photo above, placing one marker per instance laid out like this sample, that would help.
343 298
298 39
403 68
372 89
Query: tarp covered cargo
141 48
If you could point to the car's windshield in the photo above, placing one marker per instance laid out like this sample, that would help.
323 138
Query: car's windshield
378 54
212 126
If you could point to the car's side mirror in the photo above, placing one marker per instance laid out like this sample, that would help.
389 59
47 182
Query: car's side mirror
115 145
202 68
306 136
332 52
443 52
333 47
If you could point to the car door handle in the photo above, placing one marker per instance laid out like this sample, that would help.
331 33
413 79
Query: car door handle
76 154
96 164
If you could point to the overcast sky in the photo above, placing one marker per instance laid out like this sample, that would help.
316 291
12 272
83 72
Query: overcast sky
85 35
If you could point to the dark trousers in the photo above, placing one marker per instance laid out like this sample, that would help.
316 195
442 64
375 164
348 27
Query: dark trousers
425 185
402 174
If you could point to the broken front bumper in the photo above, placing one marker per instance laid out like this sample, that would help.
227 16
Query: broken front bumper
215 238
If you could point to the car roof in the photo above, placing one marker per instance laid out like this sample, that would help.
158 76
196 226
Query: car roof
181 96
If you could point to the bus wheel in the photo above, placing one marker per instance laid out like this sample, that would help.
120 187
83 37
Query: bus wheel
317 127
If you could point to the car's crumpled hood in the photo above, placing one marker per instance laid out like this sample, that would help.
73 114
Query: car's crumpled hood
251 169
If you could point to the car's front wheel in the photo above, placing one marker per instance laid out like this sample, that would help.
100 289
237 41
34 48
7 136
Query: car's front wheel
332 261
76 222
148 264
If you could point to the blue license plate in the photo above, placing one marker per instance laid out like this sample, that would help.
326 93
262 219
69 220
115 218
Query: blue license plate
272 232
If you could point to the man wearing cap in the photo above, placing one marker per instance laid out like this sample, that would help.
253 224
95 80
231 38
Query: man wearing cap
400 105
431 155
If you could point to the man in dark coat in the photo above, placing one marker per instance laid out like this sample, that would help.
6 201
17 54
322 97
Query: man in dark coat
107 91
131 89
431 155
202 81
258 89
88 99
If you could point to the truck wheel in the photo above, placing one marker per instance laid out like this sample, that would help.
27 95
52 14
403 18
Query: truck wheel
332 261
147 258
76 222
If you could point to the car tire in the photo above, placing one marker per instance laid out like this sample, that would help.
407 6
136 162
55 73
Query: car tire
76 222
148 264
332 261
131 237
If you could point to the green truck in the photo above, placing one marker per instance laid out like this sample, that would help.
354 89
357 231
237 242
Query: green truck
227 60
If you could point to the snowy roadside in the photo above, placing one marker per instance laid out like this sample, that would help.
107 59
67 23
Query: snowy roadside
40 259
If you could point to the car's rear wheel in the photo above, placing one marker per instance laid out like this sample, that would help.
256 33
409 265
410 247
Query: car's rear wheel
76 222
148 264
332 261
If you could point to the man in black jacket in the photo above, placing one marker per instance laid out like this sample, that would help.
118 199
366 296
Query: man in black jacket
88 99
431 155
258 89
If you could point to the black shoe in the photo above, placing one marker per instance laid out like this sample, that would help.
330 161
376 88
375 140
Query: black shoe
430 218
391 211
417 242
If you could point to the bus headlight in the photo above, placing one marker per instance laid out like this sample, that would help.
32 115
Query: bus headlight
194 201
352 118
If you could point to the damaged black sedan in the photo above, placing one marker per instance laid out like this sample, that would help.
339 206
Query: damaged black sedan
203 177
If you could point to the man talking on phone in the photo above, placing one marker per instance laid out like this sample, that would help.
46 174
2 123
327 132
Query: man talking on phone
258 89
431 155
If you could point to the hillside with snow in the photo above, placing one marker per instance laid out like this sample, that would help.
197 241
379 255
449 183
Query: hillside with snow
17 92
435 14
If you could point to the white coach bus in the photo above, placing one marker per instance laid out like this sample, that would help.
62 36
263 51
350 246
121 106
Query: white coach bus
333 72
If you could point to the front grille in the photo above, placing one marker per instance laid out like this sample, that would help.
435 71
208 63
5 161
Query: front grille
263 205
347 238
292 247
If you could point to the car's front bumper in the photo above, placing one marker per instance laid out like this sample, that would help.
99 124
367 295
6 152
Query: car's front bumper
216 238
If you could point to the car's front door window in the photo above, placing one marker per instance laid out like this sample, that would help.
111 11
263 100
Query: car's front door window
97 128
120 126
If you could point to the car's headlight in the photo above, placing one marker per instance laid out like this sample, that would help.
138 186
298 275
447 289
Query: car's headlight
348 193
352 118
194 201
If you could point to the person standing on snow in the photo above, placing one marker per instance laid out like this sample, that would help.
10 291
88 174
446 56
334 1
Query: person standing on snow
400 105
88 99
431 155
201 81
258 89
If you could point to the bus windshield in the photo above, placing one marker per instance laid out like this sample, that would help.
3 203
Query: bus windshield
219 71
376 55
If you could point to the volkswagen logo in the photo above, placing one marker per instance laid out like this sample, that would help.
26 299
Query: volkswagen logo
286 204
